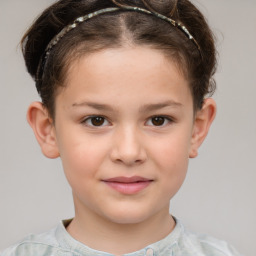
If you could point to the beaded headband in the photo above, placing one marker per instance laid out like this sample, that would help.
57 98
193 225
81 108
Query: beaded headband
81 19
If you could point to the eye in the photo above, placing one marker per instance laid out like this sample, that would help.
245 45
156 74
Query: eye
158 121
96 121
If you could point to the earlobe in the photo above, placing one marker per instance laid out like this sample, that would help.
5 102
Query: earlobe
43 127
203 120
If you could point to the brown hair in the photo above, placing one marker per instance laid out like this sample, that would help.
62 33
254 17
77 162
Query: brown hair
113 30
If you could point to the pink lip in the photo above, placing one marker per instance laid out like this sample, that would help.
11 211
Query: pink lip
128 185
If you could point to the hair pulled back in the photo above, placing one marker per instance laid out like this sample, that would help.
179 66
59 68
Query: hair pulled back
114 30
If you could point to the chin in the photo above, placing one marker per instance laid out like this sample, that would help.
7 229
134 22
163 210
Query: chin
128 216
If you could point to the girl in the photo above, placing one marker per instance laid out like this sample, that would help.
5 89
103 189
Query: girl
123 87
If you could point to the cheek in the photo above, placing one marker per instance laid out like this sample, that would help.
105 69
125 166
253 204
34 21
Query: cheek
171 157
81 159
172 150
173 166
174 170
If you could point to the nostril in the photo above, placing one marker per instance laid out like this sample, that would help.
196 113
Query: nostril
128 157
139 161
129 161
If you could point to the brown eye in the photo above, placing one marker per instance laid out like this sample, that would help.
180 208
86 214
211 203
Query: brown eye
158 120
96 121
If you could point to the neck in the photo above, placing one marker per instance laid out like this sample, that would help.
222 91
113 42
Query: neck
104 235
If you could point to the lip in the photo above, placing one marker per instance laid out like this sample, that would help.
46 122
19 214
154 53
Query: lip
128 185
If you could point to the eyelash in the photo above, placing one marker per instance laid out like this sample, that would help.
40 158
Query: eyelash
90 118
167 120
88 121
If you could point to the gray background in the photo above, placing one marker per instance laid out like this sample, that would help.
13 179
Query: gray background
218 196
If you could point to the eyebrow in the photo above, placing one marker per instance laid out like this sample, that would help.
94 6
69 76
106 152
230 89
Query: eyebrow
156 106
144 108
94 105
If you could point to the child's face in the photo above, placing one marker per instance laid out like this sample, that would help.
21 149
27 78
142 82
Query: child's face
124 130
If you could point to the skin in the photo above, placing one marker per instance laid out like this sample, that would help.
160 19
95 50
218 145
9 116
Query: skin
126 88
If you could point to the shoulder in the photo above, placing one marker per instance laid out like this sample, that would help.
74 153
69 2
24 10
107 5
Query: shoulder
218 245
201 244
44 244
212 246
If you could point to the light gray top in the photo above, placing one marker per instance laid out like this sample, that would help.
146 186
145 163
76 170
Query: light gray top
180 242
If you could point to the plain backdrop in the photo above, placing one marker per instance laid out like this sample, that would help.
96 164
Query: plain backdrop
218 196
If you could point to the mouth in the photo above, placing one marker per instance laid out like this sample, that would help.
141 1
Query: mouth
128 185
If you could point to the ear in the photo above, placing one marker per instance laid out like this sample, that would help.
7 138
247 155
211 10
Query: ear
43 127
203 120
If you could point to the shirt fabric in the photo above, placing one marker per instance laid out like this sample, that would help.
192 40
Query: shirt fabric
180 242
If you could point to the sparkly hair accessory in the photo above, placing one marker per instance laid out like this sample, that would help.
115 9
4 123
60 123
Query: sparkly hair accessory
81 19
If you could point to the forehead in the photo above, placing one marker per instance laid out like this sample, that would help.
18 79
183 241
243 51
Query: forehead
125 72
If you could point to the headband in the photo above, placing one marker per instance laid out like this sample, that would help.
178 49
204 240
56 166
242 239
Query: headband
81 19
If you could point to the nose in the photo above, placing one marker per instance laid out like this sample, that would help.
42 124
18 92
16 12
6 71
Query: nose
128 147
